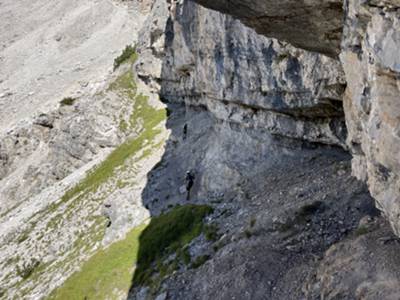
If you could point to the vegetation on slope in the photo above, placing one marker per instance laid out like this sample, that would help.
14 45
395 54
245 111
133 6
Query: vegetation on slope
68 101
108 274
166 234
144 121
143 126
129 53
144 114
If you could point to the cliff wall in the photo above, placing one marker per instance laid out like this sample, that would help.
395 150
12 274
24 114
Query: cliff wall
368 33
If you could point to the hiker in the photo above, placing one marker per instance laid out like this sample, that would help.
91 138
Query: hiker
189 183
184 131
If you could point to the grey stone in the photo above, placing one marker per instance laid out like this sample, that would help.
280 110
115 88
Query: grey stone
371 60
216 62
314 25
162 296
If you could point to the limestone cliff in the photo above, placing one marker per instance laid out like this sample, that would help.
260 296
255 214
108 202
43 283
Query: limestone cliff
314 25
212 61
371 60
266 103
370 57
253 104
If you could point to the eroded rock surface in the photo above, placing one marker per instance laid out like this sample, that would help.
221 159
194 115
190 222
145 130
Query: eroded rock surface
210 60
47 149
246 114
370 58
256 119
372 64
313 25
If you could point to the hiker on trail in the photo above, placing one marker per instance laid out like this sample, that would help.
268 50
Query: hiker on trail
189 179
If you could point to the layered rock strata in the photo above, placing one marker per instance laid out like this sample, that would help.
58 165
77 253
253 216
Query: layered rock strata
314 25
370 58
209 60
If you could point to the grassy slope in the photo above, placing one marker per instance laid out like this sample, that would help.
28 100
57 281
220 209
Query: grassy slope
108 274
144 122
166 234
143 114
110 271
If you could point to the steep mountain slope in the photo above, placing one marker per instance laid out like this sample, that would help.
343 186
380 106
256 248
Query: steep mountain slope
47 48
244 120
45 56
94 200
76 152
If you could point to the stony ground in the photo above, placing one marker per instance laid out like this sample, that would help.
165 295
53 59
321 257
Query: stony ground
51 50
289 221
302 228
74 150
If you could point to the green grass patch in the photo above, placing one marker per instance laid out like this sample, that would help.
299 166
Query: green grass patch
143 115
184 255
362 230
310 209
253 222
123 126
110 272
303 215
248 233
68 101
124 84
166 234
129 53
27 268
199 261
211 232
106 274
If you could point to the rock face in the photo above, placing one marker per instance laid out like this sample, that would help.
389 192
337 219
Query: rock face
43 152
70 178
263 124
314 25
215 62
371 60
248 102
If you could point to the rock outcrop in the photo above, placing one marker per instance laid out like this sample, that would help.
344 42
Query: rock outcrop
263 121
314 25
371 60
212 61
47 149
247 99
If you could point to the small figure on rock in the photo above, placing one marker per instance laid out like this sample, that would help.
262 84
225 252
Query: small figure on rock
184 131
189 179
